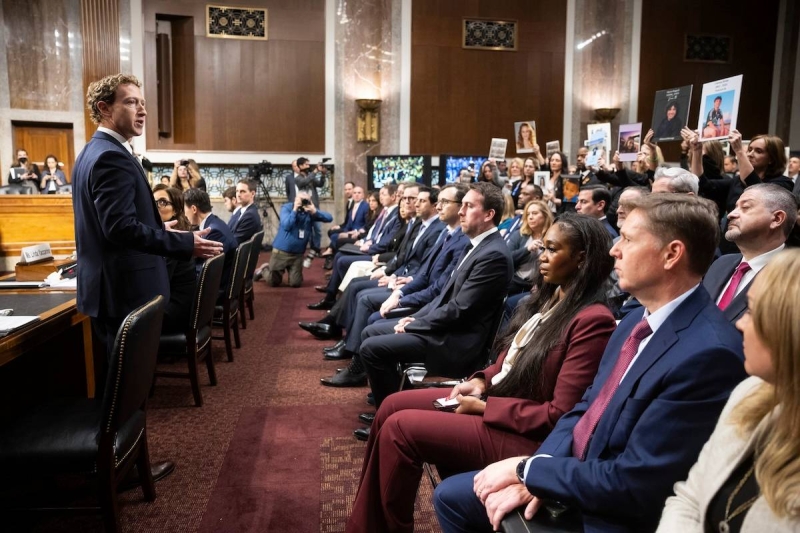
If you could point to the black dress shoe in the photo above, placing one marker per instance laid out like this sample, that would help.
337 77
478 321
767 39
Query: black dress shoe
322 331
328 265
323 305
370 399
345 378
321 288
158 470
335 348
339 355
361 433
367 418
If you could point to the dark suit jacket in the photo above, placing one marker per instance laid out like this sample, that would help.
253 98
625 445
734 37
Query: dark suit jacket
118 232
291 188
360 219
417 253
609 228
248 225
437 261
717 278
655 424
458 322
382 240
220 232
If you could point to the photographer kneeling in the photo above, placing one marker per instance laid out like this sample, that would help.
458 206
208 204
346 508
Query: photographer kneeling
290 243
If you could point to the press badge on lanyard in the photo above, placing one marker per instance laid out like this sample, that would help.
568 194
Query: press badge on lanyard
302 234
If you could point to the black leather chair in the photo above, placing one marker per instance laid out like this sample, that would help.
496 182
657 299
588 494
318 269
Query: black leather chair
247 297
195 343
226 313
96 439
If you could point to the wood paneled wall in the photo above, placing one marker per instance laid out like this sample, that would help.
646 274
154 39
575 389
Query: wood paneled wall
100 33
460 98
246 95
753 28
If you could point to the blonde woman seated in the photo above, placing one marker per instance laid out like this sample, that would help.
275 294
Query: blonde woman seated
747 478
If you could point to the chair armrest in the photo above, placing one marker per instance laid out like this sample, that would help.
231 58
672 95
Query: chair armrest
400 312
543 522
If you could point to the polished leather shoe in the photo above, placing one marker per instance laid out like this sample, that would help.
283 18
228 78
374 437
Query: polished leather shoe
158 470
322 331
323 305
361 433
370 399
338 355
345 378
328 265
321 288
367 418
335 348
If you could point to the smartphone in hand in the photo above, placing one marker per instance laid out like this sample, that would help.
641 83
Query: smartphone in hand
446 404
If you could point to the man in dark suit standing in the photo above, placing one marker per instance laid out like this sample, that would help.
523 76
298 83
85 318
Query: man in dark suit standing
245 222
119 235
198 211
665 376
759 226
449 334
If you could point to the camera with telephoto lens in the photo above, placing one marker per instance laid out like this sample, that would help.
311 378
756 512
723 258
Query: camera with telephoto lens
304 202
184 162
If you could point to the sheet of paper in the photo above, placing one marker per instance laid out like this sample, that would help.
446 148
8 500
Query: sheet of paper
10 323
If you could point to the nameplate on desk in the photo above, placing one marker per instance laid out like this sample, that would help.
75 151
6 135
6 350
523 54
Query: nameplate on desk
35 254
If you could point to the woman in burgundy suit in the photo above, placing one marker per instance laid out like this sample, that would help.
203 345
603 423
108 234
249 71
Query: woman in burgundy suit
548 357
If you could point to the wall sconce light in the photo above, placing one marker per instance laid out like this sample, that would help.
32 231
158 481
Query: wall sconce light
367 121
606 114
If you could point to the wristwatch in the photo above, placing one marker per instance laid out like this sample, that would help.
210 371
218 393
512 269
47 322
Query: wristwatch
521 470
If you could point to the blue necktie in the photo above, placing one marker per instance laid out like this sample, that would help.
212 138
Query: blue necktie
235 219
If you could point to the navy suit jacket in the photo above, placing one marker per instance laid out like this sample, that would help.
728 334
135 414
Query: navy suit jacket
717 278
655 424
457 323
416 255
248 225
119 236
381 241
359 221
220 232
609 228
429 280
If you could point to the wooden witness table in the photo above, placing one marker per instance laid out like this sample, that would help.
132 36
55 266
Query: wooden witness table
50 357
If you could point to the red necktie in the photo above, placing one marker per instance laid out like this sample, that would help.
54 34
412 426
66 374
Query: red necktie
736 279
585 427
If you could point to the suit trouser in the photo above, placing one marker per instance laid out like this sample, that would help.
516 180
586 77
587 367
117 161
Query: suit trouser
345 306
381 351
368 301
457 507
340 266
105 329
408 431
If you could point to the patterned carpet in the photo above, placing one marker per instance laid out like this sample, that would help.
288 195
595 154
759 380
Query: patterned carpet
270 450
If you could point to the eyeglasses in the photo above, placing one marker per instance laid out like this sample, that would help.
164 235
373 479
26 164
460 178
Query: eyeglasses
444 202
163 203
409 198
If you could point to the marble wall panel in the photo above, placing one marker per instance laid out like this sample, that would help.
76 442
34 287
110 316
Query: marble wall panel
367 66
39 43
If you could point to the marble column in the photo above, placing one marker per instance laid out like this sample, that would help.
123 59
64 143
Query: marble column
604 61
367 66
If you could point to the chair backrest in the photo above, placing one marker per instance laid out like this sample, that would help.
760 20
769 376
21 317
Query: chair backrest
255 249
15 189
133 362
239 266
206 291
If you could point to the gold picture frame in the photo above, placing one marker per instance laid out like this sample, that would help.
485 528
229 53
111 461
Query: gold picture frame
236 22
489 34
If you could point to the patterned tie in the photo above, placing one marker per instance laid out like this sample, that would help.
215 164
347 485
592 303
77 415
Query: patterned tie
585 427
235 219
736 279
379 224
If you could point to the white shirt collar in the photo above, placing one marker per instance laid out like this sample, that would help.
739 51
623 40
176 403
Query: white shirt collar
657 319
426 223
475 241
123 141
204 222
760 261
